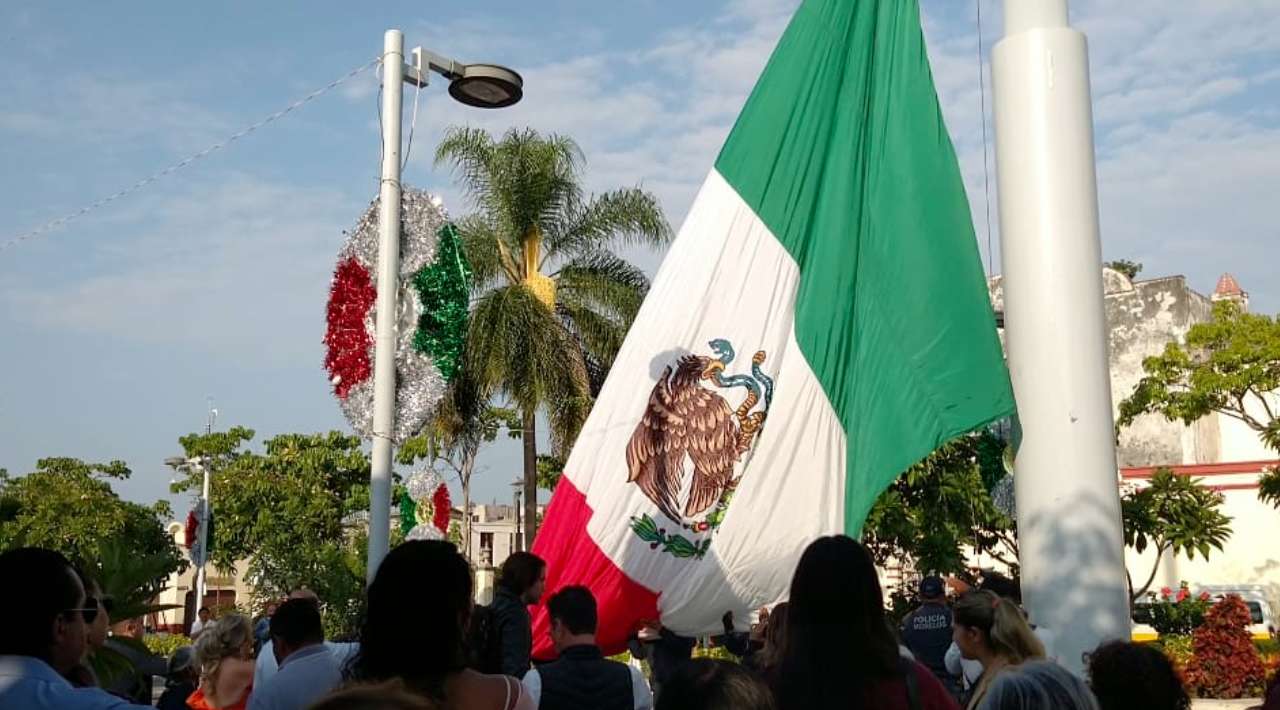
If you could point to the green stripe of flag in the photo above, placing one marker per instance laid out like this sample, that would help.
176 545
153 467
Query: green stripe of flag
842 152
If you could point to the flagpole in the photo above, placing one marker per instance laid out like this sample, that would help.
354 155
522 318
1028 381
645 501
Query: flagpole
1070 539
384 352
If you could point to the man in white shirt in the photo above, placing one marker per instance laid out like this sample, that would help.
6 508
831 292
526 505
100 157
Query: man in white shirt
307 669
266 665
200 623
582 677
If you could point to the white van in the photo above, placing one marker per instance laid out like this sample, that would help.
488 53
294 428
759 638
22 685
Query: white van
1260 599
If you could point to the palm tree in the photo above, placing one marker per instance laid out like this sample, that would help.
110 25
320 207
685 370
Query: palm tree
552 299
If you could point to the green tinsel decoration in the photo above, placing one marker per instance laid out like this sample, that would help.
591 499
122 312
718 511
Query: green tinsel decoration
408 513
444 288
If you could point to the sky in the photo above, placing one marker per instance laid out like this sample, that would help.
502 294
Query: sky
212 281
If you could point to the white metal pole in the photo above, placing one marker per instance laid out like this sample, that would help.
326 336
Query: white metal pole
201 587
384 365
1071 548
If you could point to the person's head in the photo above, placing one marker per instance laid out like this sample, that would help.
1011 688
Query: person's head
932 589
203 614
775 630
271 609
48 615
181 667
416 611
384 696
835 599
1130 675
707 684
129 628
573 617
231 636
101 626
985 625
1039 685
295 625
305 594
524 574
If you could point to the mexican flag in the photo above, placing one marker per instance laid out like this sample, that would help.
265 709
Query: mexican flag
820 324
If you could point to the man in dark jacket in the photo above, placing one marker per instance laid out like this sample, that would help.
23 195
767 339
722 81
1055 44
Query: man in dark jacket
521 583
582 677
665 650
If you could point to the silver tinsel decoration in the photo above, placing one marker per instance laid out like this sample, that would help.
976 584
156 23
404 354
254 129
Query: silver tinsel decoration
424 532
1003 498
419 384
421 487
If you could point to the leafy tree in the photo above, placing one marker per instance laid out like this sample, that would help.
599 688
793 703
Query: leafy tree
452 439
1130 269
286 512
553 300
68 505
1229 365
1173 513
941 506
550 468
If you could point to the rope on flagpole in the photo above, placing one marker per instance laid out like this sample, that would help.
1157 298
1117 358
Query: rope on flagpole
986 177
53 224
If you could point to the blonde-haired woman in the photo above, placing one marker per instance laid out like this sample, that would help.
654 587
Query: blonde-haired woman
991 629
224 655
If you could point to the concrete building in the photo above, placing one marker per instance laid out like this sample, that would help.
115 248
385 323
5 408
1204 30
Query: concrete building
223 588
494 535
1225 454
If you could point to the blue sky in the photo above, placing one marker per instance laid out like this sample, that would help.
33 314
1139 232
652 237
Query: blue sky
212 282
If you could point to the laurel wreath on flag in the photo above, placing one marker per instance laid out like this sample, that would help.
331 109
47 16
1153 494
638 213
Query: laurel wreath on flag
431 325
425 507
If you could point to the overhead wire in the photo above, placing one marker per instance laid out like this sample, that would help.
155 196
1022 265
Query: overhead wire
55 223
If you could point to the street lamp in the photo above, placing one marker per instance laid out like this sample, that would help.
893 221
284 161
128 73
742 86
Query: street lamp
480 85
182 463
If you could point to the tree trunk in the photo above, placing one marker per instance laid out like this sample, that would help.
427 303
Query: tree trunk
468 465
530 479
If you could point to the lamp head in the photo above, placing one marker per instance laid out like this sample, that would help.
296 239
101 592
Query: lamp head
487 86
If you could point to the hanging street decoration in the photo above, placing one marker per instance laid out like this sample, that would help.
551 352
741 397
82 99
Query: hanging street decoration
431 325
191 537
425 506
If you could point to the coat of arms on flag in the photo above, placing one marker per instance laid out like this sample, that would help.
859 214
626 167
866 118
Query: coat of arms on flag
688 425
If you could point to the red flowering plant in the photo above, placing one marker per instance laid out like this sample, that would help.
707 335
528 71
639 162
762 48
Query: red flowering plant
1177 613
1226 664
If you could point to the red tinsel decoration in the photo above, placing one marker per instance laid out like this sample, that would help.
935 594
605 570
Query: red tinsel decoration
348 343
193 528
441 506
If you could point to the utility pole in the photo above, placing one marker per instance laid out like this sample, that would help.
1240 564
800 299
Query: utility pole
1070 538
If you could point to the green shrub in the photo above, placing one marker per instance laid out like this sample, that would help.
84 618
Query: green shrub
164 645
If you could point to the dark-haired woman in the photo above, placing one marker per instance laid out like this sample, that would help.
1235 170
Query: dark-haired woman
419 605
839 650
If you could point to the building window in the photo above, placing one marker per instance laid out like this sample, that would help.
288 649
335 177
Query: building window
486 541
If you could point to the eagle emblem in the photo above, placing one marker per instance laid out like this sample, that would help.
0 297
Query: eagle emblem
691 433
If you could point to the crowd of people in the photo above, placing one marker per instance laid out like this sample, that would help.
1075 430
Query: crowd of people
424 645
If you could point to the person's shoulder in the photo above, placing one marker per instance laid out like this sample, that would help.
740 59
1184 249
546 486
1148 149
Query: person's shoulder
933 695
483 690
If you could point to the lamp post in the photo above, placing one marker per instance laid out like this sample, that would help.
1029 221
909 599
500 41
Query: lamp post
1071 545
479 85
182 463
